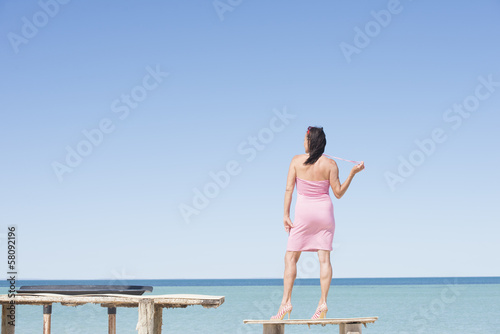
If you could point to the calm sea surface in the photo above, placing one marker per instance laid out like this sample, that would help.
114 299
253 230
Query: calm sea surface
403 305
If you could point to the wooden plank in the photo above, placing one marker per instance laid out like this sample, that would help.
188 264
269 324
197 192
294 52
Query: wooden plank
171 301
47 314
145 324
158 319
111 320
350 328
183 300
364 320
274 329
6 327
347 325
149 321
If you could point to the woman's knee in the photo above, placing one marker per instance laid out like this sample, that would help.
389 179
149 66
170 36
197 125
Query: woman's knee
324 257
292 257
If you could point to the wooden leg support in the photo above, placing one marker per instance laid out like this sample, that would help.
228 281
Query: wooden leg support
274 329
351 328
145 325
47 313
158 319
111 320
8 310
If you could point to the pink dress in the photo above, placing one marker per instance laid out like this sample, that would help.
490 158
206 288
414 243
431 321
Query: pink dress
314 224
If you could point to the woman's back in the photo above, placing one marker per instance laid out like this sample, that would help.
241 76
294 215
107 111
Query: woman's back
318 171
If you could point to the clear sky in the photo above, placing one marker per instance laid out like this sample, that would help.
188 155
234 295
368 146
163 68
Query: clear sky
118 116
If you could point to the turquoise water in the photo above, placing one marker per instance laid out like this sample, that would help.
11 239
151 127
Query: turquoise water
448 307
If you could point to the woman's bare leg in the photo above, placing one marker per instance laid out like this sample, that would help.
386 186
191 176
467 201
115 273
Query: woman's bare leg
325 274
291 259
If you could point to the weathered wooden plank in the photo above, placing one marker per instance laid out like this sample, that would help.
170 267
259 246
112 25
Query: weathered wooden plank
338 321
350 328
274 329
47 314
158 319
181 300
347 325
111 320
150 307
6 327
145 324
186 300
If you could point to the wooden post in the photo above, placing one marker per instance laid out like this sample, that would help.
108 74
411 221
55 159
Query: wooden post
350 328
145 325
6 311
274 329
111 320
158 319
47 312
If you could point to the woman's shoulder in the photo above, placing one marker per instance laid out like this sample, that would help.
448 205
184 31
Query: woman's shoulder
327 161
300 157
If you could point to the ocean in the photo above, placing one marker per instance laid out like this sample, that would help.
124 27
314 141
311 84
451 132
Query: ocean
404 305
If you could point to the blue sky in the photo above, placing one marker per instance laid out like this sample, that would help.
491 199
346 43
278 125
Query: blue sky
171 91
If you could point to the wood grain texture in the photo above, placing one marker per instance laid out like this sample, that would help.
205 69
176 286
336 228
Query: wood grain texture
121 300
111 323
46 323
6 328
364 320
150 307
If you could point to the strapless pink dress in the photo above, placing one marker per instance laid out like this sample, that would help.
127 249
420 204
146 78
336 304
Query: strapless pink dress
314 223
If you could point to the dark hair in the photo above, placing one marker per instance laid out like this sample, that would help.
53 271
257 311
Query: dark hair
317 142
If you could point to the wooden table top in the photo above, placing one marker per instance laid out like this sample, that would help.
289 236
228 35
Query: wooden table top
115 300
364 320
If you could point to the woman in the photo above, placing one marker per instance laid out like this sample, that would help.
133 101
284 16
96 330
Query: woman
314 224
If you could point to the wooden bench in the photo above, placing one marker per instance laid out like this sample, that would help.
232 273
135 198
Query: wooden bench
347 325
150 307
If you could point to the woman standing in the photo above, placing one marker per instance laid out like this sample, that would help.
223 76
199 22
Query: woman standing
314 225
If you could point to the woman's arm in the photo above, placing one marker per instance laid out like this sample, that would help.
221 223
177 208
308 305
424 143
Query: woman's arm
290 185
340 189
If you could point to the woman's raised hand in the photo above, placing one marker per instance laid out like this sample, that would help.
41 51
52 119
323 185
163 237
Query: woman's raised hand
288 223
358 168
